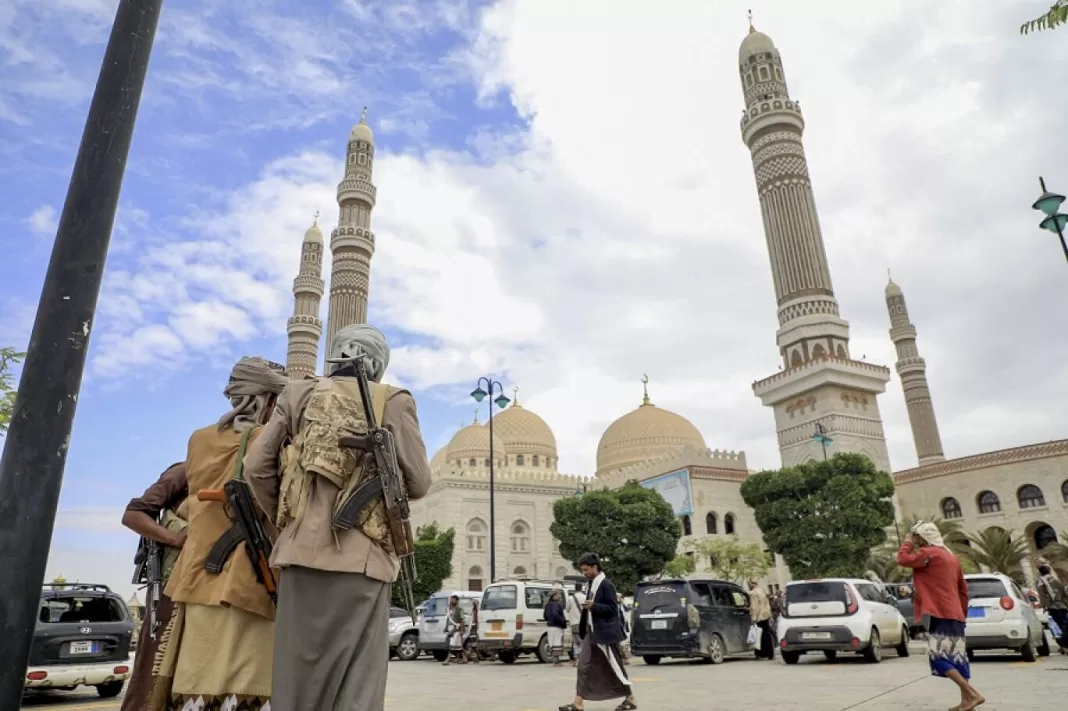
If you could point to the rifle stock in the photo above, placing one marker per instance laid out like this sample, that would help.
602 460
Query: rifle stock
248 529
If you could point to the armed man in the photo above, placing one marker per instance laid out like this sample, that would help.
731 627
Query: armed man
334 467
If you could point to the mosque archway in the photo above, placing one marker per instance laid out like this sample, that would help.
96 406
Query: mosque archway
474 579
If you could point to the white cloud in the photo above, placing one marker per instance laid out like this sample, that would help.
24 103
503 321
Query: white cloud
43 222
619 231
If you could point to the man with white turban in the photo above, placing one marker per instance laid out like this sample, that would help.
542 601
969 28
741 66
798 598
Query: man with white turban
334 598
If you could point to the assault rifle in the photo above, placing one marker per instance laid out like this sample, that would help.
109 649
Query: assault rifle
386 484
247 529
148 571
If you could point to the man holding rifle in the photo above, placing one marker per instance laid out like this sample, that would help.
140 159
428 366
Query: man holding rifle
334 468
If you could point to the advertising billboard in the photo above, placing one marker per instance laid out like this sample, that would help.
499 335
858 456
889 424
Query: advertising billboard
676 490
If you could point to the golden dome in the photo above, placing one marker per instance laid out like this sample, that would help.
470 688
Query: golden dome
439 458
524 432
473 442
644 434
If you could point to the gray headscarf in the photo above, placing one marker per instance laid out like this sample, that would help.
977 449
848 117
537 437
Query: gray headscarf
252 382
361 339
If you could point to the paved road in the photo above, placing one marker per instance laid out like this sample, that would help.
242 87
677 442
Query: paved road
737 685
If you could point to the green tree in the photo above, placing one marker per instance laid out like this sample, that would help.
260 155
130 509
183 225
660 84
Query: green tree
1055 17
998 551
433 562
632 529
680 566
823 517
728 558
9 358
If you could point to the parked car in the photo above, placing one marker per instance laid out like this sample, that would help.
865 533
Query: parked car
512 619
403 635
840 615
1001 617
903 592
82 638
694 618
431 632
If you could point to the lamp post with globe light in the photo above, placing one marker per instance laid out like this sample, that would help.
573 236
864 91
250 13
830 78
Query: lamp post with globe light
1048 203
492 387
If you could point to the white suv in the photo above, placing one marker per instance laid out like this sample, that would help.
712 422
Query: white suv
840 615
512 619
1001 617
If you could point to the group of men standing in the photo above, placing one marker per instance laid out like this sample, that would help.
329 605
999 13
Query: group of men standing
226 636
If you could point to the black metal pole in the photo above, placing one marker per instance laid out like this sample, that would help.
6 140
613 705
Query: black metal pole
492 511
35 451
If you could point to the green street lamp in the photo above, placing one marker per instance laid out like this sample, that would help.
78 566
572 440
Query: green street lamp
822 438
492 387
1048 204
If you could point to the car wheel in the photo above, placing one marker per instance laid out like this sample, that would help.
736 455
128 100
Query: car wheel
1043 648
873 653
109 690
831 654
441 655
716 651
408 647
903 648
791 657
507 656
542 651
651 660
1028 652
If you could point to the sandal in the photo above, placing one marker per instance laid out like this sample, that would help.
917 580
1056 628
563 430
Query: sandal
570 707
626 706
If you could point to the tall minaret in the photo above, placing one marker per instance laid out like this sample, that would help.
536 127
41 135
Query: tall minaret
824 401
913 372
352 243
305 328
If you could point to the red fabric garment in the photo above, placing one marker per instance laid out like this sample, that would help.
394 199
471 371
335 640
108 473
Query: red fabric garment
938 588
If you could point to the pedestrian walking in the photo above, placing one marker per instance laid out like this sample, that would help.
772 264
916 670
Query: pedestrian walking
556 623
601 675
471 645
1054 597
760 614
939 590
455 627
624 646
574 617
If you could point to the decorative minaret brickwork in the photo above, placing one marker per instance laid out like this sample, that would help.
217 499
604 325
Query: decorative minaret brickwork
352 243
305 328
913 372
822 396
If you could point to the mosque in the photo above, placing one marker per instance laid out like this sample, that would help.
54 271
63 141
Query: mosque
821 398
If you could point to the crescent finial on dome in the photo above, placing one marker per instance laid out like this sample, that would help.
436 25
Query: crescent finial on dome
645 389
515 396
476 417
751 28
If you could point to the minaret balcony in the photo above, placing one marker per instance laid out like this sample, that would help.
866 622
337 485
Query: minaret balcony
771 112
308 284
304 324
826 370
911 365
356 189
905 330
354 238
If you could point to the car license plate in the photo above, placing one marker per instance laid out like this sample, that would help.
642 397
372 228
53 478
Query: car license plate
976 612
81 647
815 635
496 626
659 624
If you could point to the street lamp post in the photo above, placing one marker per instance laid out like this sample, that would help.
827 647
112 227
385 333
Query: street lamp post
492 387
1048 203
822 438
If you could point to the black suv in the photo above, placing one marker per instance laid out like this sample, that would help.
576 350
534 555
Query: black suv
82 638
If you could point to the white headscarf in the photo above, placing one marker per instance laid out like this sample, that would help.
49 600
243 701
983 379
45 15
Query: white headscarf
930 533
361 339
252 382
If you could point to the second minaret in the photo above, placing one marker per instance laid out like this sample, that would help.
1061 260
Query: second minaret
913 372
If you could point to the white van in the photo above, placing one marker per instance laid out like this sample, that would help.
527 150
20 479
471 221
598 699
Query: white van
512 618
432 637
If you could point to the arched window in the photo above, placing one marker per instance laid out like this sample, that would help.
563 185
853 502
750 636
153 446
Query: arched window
1064 491
1044 535
951 508
519 459
711 522
1030 497
534 460
519 570
988 502
728 524
687 527
487 461
474 579
561 572
520 537
473 462
476 535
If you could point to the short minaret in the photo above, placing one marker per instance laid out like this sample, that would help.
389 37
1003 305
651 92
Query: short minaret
913 372
824 401
305 328
352 243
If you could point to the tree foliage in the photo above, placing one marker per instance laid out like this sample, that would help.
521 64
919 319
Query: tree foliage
680 566
825 517
998 551
728 558
433 562
1057 16
632 529
9 358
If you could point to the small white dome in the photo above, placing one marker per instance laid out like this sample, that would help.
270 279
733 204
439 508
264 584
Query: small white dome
314 234
361 131
754 43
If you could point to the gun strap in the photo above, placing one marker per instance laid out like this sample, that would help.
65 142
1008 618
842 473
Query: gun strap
239 465
222 549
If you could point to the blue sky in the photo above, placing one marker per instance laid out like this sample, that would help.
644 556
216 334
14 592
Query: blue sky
564 203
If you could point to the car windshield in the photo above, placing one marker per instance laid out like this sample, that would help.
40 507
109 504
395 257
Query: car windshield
502 597
985 587
72 608
652 597
815 592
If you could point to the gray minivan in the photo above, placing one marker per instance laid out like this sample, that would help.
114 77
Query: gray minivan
692 618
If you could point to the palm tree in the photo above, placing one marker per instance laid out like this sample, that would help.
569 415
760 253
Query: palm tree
1056 552
998 551
1056 16
883 564
952 534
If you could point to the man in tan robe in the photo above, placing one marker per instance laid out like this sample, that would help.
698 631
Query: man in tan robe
331 648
